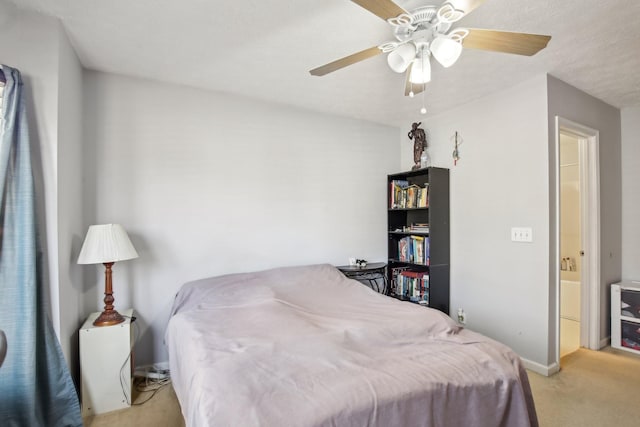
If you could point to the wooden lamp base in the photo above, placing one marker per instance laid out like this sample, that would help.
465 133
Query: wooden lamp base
109 316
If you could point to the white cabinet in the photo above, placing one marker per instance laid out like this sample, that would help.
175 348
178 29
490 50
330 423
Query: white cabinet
625 316
106 365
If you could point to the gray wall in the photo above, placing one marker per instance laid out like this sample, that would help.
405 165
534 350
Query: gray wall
192 173
503 180
39 48
207 184
71 221
631 193
500 182
570 103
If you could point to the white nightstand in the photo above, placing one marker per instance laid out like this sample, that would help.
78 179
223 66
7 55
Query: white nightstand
106 365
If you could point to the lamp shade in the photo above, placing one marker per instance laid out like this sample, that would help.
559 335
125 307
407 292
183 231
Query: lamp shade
106 243
400 59
446 50
421 70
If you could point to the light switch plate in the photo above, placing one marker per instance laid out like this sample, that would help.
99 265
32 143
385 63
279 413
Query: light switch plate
522 234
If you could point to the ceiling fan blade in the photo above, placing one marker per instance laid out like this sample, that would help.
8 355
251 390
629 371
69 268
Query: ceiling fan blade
467 6
504 41
385 9
409 87
346 61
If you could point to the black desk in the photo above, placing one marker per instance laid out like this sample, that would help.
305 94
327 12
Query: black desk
370 275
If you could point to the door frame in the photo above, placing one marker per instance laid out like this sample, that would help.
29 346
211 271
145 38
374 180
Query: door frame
588 143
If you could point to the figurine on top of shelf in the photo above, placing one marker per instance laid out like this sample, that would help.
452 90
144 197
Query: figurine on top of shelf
419 143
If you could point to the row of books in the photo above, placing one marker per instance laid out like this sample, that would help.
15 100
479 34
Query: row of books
405 196
413 285
418 228
414 249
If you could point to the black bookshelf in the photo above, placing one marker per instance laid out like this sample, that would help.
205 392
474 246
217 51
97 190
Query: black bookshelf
437 216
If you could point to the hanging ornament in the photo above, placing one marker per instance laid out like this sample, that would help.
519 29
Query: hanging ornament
457 141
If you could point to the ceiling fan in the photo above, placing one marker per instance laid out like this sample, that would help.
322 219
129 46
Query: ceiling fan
424 32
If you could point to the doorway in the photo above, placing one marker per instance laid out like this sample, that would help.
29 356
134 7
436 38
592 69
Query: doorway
570 244
577 278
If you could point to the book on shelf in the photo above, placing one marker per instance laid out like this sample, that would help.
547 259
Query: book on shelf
403 249
418 228
418 249
408 196
413 285
395 272
412 196
423 197
427 247
396 191
414 249
413 228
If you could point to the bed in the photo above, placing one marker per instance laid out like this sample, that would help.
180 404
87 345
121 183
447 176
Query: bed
306 346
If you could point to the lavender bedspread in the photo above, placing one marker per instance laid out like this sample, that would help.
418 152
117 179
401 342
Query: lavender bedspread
305 346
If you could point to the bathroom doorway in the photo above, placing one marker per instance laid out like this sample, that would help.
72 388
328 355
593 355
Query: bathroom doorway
570 244
577 238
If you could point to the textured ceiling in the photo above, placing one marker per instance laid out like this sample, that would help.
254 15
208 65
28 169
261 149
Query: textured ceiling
264 49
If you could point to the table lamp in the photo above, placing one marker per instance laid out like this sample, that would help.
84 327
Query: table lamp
107 244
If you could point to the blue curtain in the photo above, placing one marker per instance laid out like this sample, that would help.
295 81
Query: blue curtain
35 385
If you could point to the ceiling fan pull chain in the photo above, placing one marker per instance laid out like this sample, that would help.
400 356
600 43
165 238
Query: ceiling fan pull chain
423 110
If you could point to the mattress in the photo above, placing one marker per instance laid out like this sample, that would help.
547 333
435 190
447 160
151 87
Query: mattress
306 346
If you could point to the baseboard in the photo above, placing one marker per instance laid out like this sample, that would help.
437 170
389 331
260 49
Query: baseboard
549 370
546 370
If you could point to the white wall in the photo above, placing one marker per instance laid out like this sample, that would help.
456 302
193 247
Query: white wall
29 42
570 103
161 159
71 223
631 193
37 46
503 180
207 184
500 181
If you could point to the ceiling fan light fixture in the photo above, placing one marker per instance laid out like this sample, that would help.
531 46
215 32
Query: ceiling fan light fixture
421 70
400 59
445 50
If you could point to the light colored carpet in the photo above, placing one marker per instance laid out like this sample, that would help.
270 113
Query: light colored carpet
594 388
162 410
